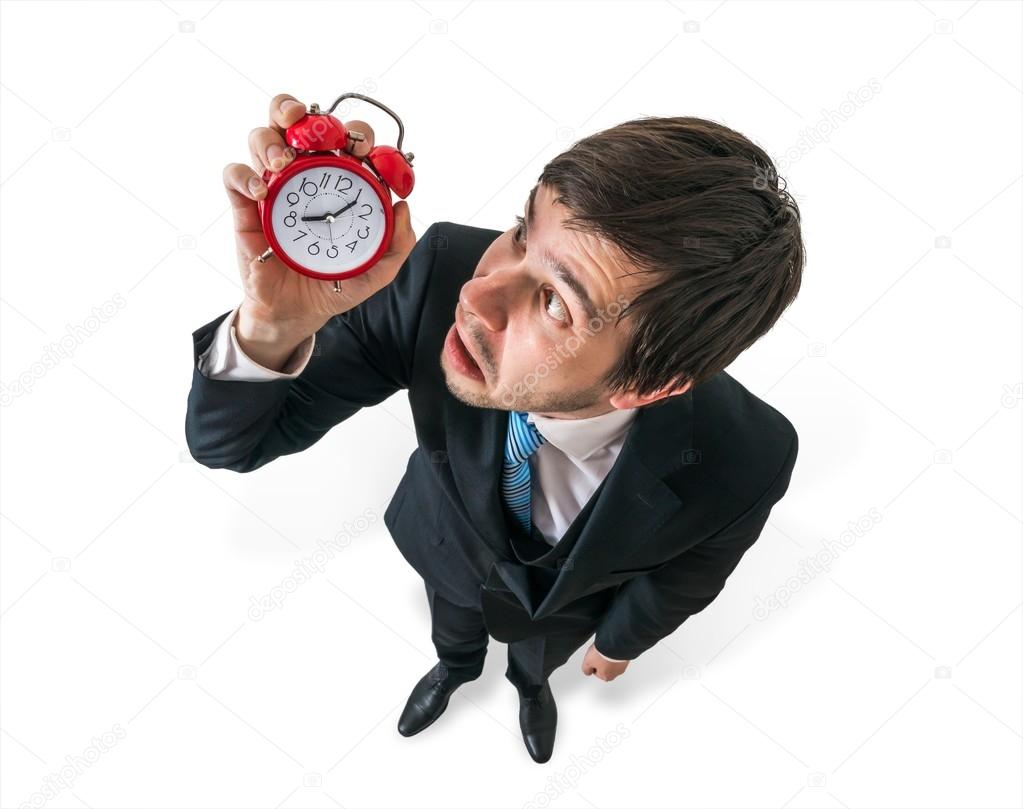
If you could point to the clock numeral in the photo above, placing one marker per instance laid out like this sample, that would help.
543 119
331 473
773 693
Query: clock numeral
329 183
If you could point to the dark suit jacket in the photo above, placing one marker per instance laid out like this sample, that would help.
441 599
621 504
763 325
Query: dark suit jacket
689 493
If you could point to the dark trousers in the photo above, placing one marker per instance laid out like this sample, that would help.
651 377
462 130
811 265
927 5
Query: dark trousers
460 637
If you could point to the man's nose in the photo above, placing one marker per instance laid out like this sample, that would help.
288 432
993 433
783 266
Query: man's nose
489 298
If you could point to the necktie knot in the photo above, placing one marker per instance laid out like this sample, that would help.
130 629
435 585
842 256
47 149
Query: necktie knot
523 437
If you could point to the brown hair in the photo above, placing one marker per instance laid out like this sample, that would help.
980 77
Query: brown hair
698 206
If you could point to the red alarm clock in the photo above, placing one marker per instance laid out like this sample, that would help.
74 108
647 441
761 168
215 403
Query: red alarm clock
328 213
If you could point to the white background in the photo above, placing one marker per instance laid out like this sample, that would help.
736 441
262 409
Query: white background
891 677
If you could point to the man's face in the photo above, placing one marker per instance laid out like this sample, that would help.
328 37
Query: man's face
538 316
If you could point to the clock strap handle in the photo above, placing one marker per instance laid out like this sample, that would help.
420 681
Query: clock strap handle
388 110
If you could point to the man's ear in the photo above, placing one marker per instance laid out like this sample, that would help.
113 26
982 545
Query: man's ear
628 399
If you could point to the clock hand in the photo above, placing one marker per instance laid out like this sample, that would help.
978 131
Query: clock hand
336 213
340 211
349 205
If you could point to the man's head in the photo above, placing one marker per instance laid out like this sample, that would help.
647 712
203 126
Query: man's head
648 257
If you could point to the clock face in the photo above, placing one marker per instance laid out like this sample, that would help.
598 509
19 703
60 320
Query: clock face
328 219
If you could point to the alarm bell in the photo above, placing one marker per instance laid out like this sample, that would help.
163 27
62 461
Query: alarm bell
321 132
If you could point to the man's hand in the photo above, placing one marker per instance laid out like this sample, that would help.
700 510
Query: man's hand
283 307
595 663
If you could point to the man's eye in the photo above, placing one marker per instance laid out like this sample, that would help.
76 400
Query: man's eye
560 313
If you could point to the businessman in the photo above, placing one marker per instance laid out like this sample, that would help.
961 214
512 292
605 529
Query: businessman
585 467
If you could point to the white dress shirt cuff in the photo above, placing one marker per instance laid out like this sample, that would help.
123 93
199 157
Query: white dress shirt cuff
224 359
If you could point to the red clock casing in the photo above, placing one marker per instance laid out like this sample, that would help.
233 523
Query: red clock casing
309 160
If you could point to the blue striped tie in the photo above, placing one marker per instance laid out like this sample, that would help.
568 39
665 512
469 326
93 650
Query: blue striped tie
522 441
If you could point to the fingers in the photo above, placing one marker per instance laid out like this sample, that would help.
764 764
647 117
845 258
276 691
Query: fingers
360 148
268 147
243 188
285 110
404 238
591 668
269 150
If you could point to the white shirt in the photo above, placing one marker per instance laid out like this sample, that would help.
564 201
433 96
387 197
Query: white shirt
565 470
568 467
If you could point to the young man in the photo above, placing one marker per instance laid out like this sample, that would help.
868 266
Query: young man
585 466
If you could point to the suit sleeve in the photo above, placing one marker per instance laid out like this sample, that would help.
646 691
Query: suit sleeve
650 607
361 357
611 659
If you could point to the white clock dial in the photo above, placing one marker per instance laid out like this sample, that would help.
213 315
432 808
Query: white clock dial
328 219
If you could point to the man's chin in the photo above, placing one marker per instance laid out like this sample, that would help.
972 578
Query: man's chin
469 397
468 391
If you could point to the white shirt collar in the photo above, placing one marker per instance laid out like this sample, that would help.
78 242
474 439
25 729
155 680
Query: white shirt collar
581 438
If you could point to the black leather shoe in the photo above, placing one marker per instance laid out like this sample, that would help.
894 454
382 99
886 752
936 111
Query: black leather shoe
428 700
538 719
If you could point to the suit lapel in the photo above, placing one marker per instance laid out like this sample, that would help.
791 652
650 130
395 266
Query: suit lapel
475 447
632 503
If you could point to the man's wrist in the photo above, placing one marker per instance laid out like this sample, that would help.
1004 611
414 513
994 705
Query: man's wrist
270 342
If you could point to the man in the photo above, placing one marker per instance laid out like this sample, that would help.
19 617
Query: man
585 467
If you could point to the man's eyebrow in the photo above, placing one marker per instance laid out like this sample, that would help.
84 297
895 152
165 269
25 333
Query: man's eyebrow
570 280
560 269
